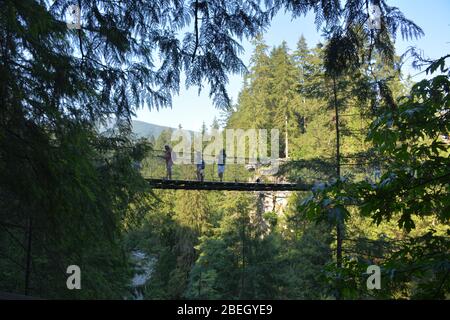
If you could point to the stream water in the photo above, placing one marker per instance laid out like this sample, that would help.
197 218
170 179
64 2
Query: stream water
143 271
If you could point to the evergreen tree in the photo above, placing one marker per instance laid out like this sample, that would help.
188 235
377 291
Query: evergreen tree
236 260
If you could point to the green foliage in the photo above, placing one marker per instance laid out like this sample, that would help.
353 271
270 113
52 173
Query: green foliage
237 261
229 250
414 185
416 182
70 188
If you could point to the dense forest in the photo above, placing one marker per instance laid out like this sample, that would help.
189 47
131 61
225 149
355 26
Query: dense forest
374 145
223 245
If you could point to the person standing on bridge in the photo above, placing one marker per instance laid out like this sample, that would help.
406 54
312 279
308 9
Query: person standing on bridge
221 164
169 161
200 163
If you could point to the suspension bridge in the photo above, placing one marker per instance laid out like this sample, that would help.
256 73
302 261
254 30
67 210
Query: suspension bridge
244 174
241 174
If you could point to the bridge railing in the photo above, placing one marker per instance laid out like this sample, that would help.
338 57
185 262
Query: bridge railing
246 170
236 169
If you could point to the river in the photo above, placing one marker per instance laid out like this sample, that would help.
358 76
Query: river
144 265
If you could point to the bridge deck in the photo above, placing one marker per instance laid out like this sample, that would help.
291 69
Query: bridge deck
231 186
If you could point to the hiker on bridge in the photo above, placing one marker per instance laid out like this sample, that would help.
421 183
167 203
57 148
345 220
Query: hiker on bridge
169 161
200 164
221 164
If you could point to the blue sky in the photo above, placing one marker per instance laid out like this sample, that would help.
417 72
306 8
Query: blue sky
191 110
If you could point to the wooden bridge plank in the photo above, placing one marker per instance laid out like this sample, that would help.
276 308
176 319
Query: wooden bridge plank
230 186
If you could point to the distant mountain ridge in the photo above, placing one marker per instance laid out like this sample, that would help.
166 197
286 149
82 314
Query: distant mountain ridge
140 129
146 130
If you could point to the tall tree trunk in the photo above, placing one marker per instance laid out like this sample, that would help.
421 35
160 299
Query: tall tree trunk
287 142
28 258
241 293
338 176
338 151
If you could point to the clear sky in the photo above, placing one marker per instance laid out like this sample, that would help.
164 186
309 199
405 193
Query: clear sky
191 110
